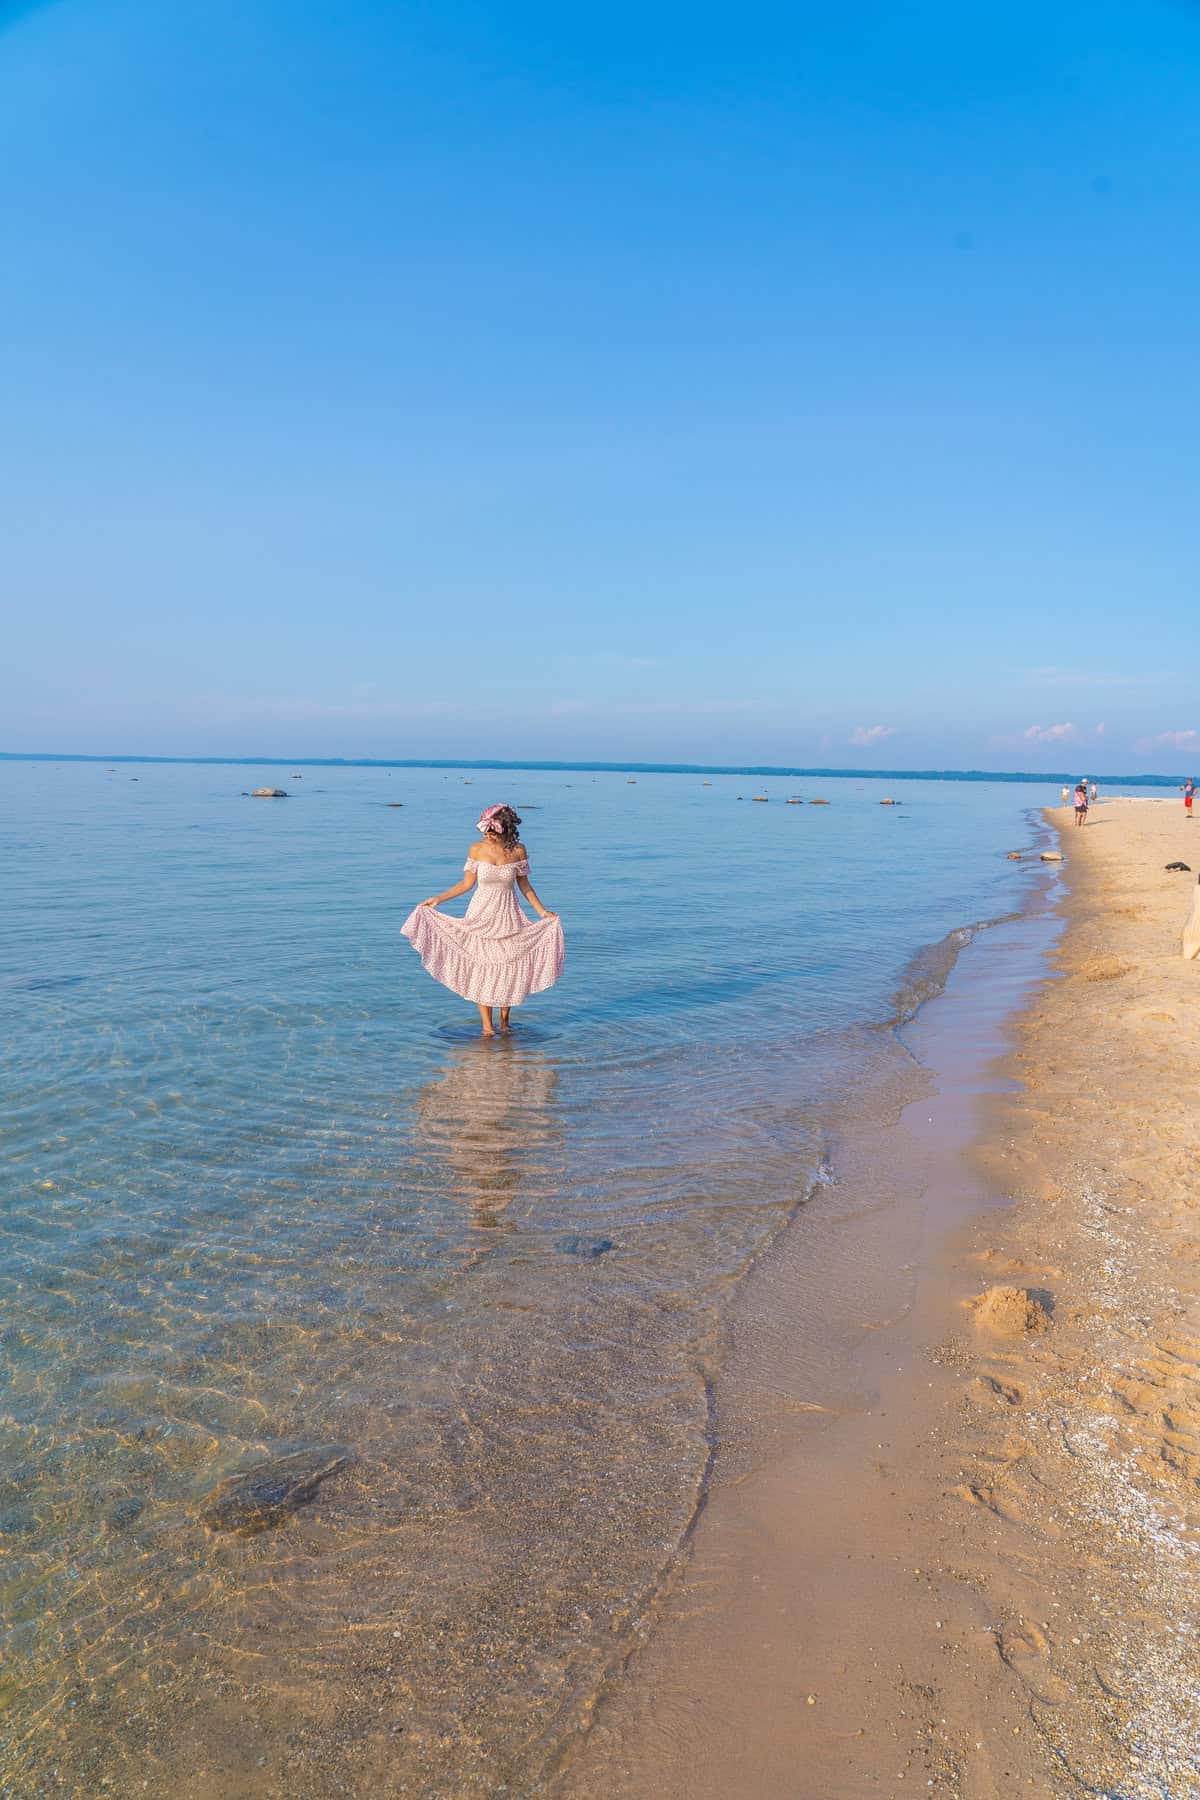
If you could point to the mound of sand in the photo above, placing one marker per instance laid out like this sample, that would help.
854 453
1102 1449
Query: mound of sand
1103 968
1009 1311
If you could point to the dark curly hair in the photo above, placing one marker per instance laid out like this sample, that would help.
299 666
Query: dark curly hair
505 824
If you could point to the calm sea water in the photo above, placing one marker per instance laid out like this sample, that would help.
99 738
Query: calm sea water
266 1191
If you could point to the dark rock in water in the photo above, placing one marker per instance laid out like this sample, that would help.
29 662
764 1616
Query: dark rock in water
268 794
395 803
262 1496
125 1510
585 1246
1185 867
1014 855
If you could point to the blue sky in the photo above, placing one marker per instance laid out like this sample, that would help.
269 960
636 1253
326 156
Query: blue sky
783 383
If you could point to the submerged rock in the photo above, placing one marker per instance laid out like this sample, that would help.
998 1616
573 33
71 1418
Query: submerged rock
588 1247
1051 855
268 794
125 1510
818 803
264 1495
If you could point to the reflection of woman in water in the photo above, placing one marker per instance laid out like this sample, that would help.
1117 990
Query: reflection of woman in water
490 1118
496 955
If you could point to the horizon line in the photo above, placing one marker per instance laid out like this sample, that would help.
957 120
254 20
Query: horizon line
587 767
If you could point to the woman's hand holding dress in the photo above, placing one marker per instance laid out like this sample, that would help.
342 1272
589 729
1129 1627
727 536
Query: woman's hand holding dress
496 954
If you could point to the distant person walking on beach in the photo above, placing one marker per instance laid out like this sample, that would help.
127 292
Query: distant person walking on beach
496 955
1066 793
1189 789
1081 803
1092 796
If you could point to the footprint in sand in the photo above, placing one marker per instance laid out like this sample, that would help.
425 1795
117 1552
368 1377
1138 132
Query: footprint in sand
1158 1404
1026 1652
1016 1265
1006 1392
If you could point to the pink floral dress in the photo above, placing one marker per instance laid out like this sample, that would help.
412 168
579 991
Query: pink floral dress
497 955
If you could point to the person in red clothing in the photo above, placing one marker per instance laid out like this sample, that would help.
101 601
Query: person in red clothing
1189 789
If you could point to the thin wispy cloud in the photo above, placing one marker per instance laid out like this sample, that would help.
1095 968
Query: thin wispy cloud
863 736
1051 734
1173 740
1090 678
302 709
646 709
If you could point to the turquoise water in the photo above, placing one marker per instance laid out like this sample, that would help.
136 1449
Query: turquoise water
266 1190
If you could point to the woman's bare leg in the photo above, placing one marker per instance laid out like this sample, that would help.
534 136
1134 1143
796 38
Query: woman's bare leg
504 1018
485 1016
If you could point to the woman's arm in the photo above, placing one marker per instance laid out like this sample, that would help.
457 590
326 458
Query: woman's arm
526 887
461 887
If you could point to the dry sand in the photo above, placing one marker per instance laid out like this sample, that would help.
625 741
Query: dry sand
978 1573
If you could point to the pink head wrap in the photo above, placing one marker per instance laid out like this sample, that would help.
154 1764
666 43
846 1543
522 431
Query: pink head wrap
487 819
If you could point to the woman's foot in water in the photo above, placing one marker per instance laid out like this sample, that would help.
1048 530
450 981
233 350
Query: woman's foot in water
485 1019
505 1027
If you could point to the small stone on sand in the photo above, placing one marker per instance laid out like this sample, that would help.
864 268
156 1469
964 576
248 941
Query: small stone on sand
262 1496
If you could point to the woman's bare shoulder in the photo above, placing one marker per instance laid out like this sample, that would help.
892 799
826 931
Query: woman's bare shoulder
519 854
476 847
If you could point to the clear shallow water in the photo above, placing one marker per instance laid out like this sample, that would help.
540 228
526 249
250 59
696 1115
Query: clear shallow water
265 1190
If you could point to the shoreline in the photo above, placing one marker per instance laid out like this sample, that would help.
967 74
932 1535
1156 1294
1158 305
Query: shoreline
529 1424
799 1476
875 1598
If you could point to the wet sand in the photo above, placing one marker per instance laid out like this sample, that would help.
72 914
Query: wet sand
954 1547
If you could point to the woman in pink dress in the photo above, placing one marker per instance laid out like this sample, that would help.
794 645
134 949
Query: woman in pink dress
496 955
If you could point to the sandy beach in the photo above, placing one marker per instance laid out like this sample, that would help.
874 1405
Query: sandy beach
957 1549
